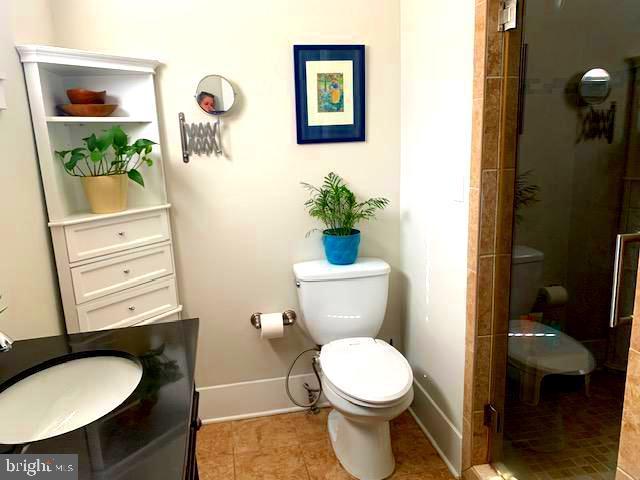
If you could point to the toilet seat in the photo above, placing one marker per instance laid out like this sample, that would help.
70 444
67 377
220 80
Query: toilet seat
365 371
327 385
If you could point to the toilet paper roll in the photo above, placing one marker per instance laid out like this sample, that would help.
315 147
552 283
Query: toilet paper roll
272 325
554 295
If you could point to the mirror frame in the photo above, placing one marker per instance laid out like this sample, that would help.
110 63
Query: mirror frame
217 113
586 78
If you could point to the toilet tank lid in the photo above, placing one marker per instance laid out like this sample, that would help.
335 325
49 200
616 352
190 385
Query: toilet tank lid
524 254
318 270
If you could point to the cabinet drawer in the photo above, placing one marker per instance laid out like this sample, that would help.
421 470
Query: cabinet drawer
102 278
92 239
129 307
170 316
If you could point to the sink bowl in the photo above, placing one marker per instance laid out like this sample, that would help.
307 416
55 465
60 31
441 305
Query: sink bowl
69 394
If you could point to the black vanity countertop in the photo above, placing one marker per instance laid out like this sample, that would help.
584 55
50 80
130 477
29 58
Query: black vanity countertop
147 436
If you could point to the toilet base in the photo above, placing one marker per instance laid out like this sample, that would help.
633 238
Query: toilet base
363 448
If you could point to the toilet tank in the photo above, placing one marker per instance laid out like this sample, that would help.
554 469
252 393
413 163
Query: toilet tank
342 301
526 279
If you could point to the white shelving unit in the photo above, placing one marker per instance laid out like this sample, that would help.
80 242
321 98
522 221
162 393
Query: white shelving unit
115 270
94 120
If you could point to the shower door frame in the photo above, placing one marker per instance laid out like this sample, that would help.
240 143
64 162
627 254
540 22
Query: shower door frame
496 101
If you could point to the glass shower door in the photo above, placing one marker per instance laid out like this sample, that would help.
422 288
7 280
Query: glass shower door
577 190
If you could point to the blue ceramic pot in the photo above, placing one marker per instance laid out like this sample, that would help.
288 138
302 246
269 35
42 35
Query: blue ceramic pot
341 249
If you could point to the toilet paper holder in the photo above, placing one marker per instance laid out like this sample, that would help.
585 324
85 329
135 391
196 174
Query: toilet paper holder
288 318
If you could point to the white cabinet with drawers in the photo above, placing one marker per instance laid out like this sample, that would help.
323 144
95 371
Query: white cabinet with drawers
93 239
116 269
130 307
131 282
100 278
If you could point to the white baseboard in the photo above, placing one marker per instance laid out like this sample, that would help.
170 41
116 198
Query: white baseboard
258 398
443 434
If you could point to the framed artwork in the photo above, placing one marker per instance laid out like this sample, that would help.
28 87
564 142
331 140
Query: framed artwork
329 93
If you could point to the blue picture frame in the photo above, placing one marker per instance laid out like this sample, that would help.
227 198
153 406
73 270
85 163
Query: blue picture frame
307 133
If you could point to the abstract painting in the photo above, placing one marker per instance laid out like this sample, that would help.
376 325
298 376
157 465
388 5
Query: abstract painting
330 87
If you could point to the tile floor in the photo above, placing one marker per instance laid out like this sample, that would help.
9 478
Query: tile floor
296 447
567 435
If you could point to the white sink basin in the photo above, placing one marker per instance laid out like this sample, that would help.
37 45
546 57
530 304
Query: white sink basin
64 397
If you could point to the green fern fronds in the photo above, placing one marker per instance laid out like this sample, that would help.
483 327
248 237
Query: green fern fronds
526 193
335 205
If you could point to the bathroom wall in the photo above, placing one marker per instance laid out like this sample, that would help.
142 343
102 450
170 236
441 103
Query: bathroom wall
436 102
27 279
238 221
31 20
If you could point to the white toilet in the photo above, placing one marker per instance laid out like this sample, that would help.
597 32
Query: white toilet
366 380
537 350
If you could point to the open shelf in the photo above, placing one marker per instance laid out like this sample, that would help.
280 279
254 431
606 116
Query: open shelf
73 120
68 197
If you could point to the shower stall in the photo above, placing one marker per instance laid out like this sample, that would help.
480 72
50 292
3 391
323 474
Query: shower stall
575 243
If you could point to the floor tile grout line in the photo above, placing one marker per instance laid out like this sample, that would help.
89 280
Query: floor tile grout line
233 447
233 451
306 467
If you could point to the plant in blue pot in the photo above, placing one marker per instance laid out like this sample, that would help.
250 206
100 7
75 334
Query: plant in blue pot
335 205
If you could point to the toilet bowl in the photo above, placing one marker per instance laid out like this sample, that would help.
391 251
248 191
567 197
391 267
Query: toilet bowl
366 380
537 350
368 383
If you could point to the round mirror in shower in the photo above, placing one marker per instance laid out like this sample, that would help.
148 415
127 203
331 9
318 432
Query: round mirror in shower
595 86
215 95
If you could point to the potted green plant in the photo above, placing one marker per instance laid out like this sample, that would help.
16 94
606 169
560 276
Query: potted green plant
105 163
526 193
335 205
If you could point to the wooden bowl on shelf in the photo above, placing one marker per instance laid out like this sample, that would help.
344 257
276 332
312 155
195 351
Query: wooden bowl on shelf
83 96
88 110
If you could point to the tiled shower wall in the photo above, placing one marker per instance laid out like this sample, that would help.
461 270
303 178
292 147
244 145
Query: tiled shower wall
629 223
491 210
628 458
495 110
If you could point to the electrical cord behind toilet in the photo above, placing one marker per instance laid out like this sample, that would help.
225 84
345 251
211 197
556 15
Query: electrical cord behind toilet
314 393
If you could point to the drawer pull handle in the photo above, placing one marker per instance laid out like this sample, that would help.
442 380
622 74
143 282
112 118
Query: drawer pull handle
126 271
121 234
132 308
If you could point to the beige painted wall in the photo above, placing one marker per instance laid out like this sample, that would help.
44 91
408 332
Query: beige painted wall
27 276
436 86
238 221
32 21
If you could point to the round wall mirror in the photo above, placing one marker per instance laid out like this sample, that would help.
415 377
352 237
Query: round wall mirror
215 95
595 86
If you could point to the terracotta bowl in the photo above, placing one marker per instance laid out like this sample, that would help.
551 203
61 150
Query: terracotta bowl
88 110
82 96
